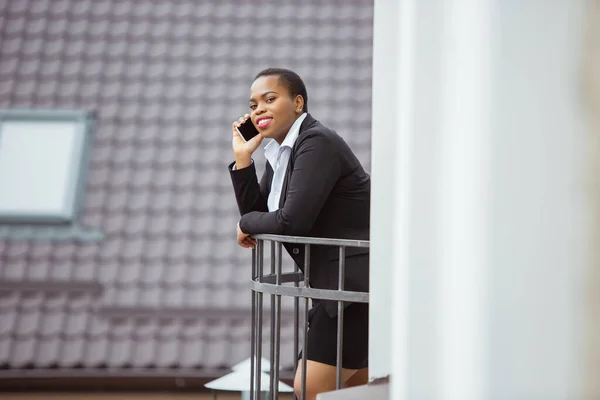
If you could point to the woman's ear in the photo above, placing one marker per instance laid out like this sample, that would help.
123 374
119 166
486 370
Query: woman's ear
299 104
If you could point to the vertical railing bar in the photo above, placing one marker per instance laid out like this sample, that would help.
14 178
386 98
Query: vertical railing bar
340 331
253 329
296 323
305 332
259 323
272 342
275 371
259 306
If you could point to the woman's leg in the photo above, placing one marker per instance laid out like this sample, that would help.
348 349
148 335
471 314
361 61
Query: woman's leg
321 378
360 377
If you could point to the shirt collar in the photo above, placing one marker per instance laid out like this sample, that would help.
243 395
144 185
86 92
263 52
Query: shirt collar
272 148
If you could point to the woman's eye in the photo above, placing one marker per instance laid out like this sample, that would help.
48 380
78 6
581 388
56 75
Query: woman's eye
270 99
252 106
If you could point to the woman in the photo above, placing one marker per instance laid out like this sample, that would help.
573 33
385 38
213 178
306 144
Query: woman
314 186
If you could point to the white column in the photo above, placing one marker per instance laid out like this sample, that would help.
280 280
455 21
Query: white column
464 169
384 171
478 216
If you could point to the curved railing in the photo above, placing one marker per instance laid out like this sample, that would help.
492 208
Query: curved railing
272 283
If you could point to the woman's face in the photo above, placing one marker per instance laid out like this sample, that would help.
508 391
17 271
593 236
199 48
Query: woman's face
273 111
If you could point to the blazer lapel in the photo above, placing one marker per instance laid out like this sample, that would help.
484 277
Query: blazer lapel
308 121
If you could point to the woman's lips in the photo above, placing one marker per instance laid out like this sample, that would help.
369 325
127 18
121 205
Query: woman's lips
264 122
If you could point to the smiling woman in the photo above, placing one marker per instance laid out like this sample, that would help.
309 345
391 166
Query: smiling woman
313 185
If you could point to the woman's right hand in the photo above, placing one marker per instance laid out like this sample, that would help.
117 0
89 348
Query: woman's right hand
242 150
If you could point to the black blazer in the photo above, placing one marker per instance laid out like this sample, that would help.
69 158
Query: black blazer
326 193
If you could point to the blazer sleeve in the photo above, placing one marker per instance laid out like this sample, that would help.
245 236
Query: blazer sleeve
249 194
316 170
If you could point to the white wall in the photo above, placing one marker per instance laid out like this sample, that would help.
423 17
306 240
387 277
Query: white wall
537 207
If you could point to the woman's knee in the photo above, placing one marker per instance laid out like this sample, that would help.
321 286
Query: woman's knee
312 386
320 378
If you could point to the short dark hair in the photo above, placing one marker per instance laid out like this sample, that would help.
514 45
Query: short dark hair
291 80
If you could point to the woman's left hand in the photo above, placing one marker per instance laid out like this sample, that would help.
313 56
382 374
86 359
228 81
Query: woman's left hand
244 239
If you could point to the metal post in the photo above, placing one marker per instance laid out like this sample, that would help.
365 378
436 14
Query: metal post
340 327
277 336
272 342
305 333
259 307
253 329
296 322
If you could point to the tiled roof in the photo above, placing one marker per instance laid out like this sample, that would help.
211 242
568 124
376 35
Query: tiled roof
168 286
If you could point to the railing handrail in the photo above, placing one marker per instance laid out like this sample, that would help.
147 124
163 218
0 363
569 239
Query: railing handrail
313 240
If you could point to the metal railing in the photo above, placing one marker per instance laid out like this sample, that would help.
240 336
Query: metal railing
272 283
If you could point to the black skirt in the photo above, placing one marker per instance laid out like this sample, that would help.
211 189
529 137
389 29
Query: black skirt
322 336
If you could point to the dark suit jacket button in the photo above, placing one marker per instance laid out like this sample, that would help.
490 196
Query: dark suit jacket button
296 250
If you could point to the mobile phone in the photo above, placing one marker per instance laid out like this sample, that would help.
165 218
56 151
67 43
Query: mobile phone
247 130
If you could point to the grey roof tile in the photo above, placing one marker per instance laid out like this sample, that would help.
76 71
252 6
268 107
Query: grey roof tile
9 299
15 270
6 87
196 296
150 295
31 300
80 301
192 353
6 345
167 354
129 274
175 274
97 29
126 295
119 352
52 323
152 273
46 89
100 9
23 352
9 317
192 329
54 301
16 250
108 273
122 9
28 323
169 328
61 269
97 327
146 328
48 351
55 26
156 247
121 328
173 297
72 352
95 352
31 66
76 324
217 353
144 352
11 45
85 270
180 227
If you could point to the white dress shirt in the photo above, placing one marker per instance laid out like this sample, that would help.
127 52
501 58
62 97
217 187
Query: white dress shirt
279 156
